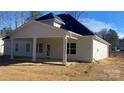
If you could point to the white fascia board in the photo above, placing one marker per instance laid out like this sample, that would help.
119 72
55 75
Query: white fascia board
73 33
101 40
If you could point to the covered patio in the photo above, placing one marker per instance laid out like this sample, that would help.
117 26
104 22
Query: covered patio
53 48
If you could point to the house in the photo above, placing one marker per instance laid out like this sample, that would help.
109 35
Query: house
121 44
58 37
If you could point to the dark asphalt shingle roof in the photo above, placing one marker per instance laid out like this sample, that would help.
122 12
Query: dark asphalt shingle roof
73 25
49 16
70 23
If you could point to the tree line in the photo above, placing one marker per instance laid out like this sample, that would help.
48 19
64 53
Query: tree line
111 36
9 21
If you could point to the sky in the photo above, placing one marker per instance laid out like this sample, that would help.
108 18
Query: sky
97 20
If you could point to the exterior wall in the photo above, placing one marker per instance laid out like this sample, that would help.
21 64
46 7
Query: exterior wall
22 47
56 47
87 48
83 45
100 50
84 49
7 47
36 29
55 43
1 46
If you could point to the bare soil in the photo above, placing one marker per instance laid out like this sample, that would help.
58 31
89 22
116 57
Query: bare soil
108 69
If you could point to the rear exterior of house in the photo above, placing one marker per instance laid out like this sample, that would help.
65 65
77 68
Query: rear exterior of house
58 37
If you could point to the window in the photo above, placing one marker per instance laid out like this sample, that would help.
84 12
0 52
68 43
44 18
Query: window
71 48
28 47
68 48
16 47
39 48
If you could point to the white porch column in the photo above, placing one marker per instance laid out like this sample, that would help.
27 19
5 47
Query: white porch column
34 49
11 54
65 40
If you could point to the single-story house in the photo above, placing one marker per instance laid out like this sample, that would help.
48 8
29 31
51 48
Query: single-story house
1 45
58 37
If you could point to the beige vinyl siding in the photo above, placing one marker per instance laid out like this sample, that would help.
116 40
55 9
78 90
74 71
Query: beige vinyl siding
7 47
56 46
21 47
83 49
37 30
55 51
100 50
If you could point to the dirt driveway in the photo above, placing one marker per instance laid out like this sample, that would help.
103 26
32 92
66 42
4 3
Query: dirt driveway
108 69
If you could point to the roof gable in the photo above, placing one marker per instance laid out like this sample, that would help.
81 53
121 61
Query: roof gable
38 30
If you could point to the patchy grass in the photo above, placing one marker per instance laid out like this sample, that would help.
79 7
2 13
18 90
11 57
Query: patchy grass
108 69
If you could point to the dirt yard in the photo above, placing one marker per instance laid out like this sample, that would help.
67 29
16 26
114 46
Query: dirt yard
108 69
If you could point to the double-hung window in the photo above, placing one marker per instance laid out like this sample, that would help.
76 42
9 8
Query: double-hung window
39 48
28 47
16 47
71 48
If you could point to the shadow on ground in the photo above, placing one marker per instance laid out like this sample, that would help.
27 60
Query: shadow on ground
6 61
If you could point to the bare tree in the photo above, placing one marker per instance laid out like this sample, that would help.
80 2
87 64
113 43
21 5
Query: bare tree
20 18
6 31
5 19
110 36
13 19
103 33
75 14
